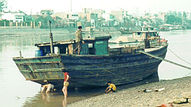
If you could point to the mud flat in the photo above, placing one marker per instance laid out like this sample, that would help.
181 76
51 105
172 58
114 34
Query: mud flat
156 94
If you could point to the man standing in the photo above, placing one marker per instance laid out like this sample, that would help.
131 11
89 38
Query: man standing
79 39
66 83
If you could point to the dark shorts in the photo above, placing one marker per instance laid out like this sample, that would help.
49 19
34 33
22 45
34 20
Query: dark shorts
112 90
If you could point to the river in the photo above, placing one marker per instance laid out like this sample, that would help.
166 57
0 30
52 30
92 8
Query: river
15 91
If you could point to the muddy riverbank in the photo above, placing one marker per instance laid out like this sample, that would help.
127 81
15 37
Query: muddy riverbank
171 91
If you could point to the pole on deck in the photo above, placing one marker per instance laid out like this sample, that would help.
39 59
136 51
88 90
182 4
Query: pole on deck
51 40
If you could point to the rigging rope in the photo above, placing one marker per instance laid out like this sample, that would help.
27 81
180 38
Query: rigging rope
159 58
179 57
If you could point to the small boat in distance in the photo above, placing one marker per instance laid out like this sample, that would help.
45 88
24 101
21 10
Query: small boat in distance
97 63
126 30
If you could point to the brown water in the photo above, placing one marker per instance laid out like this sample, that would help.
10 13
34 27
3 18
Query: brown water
57 99
15 91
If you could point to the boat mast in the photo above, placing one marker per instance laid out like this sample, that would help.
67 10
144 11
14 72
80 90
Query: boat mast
51 40
71 6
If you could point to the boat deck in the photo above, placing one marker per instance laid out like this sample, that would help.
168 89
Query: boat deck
153 49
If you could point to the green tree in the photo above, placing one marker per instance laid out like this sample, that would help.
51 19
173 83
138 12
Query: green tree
158 22
184 15
45 21
188 24
3 4
172 19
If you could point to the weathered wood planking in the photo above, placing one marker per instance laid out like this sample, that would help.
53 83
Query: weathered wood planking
90 70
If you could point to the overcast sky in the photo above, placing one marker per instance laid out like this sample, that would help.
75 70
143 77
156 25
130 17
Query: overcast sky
77 5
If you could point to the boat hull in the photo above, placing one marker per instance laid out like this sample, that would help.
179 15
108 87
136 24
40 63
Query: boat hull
91 70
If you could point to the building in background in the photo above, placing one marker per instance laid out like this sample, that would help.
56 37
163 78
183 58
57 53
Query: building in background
17 16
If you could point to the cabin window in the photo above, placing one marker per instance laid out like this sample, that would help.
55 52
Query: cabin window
45 50
56 50
90 45
91 49
147 35
62 49
156 34
153 34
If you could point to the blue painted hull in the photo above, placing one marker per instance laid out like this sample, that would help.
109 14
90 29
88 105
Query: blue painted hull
120 69
91 70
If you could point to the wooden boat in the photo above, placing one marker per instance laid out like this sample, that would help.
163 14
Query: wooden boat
97 63
125 31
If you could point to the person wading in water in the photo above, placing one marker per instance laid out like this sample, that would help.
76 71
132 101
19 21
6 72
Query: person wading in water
66 84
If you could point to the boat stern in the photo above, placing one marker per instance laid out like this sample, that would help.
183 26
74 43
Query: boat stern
39 69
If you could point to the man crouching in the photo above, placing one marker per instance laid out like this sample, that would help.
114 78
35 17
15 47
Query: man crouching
111 87
47 88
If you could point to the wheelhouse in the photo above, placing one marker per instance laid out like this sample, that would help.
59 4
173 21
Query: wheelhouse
141 35
91 46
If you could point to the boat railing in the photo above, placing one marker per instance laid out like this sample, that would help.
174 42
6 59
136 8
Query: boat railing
132 48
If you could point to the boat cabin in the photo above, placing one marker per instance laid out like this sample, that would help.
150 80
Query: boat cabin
91 46
142 35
